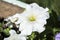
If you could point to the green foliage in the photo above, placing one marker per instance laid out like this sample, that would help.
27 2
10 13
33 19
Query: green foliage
6 31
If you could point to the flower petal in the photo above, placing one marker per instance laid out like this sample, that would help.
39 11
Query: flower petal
42 22
25 28
37 8
39 28
21 38
6 38
12 32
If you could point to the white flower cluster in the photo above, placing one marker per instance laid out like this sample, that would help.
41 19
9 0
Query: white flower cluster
32 19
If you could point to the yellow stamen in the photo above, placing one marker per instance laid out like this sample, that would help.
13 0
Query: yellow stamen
32 18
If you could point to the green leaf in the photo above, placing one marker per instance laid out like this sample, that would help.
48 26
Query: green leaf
1 29
6 31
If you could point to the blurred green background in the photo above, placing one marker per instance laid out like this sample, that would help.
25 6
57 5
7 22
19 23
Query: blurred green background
53 23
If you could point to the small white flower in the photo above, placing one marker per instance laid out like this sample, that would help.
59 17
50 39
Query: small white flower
34 19
14 36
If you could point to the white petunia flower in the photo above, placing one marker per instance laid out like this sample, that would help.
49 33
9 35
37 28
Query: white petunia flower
14 36
34 19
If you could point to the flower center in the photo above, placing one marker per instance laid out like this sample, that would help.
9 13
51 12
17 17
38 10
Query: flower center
32 18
